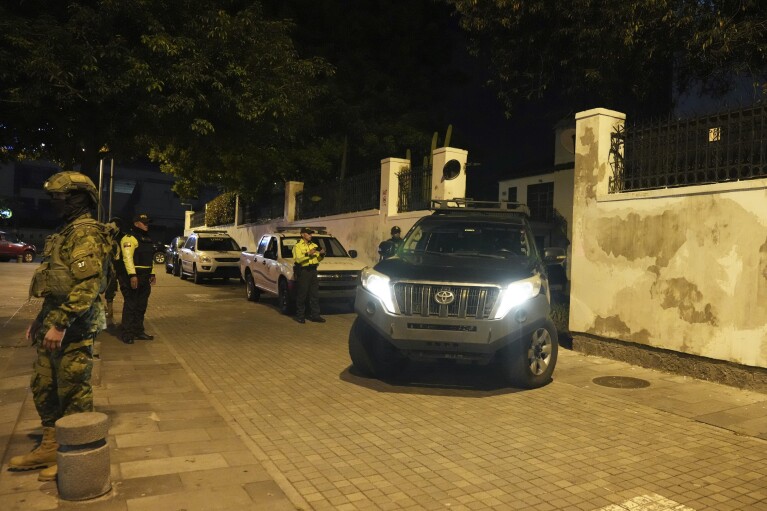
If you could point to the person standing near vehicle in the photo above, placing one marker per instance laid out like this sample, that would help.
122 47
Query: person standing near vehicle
138 258
116 271
70 280
306 257
388 248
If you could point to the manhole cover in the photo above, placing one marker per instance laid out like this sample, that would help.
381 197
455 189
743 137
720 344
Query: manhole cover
621 382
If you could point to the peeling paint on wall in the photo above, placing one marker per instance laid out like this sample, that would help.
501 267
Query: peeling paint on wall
686 297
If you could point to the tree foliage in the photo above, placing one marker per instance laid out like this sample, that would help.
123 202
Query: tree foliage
622 55
212 89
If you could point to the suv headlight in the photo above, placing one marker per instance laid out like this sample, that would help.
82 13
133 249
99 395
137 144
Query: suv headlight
379 286
518 293
204 259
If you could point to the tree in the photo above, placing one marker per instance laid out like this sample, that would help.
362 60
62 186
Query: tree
211 89
623 55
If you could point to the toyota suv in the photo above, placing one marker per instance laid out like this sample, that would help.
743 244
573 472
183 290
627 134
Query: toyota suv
467 285
209 254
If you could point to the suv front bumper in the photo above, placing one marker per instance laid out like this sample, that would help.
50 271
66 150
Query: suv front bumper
468 339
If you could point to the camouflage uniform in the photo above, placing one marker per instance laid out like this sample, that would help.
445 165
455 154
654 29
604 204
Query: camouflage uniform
71 287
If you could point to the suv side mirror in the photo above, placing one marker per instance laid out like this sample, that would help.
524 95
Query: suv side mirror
244 249
353 253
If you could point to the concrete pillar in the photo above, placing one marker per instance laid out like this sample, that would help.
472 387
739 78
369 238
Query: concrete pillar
188 220
593 130
441 187
83 456
291 189
390 167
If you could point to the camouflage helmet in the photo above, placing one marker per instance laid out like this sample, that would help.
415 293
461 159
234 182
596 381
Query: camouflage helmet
70 181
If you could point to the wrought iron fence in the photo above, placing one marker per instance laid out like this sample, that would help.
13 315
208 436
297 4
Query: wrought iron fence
198 219
355 193
414 189
728 146
263 209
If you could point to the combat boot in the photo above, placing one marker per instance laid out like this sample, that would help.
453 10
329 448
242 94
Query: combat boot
41 457
48 474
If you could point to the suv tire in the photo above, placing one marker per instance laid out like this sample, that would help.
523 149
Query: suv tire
529 363
252 293
196 277
371 354
287 306
28 257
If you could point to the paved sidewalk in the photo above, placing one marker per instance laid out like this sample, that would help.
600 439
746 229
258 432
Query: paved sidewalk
175 444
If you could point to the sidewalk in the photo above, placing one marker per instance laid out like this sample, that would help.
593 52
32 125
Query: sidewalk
171 447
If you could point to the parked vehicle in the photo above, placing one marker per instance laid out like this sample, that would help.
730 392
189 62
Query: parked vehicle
555 259
159 253
467 285
171 255
209 254
11 248
270 268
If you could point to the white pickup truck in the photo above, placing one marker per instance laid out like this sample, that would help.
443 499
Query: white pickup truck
270 268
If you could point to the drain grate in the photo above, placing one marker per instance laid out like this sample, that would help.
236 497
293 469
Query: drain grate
621 382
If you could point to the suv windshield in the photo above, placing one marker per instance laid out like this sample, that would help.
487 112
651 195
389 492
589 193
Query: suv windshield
470 238
332 246
217 244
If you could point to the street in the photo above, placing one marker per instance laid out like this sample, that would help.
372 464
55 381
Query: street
439 437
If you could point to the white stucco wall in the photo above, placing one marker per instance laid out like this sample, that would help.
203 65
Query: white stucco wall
683 269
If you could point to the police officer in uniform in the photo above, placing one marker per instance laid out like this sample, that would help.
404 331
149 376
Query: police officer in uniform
388 248
137 255
70 279
307 256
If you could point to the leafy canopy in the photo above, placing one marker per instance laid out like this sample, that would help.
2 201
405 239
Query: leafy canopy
211 89
623 55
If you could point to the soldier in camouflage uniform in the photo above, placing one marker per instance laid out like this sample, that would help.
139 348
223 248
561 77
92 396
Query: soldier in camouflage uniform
70 279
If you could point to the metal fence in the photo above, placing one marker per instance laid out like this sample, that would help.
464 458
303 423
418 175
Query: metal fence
263 209
198 219
355 193
414 189
728 146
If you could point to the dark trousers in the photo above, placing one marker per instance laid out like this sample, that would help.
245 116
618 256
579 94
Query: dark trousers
111 290
308 287
134 306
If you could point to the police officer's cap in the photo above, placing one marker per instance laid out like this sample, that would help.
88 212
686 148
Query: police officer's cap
306 230
395 230
143 218
69 182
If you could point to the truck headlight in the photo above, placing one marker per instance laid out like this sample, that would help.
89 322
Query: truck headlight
518 293
379 286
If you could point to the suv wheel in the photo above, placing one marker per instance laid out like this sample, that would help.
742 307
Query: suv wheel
372 355
159 257
251 291
287 306
530 362
28 257
196 277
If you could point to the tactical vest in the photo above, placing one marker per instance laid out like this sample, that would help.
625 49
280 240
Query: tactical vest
54 276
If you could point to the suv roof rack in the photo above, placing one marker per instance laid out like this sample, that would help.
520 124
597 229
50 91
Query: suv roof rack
469 205
318 229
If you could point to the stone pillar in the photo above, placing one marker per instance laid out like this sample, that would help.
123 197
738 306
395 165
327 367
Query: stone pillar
442 187
390 167
593 130
291 189
83 456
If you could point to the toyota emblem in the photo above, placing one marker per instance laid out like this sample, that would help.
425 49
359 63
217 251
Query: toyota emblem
444 297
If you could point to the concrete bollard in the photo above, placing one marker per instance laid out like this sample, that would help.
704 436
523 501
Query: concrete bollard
83 456
19 259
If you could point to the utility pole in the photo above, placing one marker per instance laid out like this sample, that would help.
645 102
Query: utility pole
111 186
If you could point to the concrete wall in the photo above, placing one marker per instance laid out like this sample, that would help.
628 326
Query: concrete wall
364 230
683 269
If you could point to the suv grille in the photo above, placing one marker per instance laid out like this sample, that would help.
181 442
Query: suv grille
469 301
227 259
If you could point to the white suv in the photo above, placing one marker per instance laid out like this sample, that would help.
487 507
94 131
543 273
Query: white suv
209 254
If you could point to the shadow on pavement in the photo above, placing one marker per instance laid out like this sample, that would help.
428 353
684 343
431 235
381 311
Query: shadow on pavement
437 379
